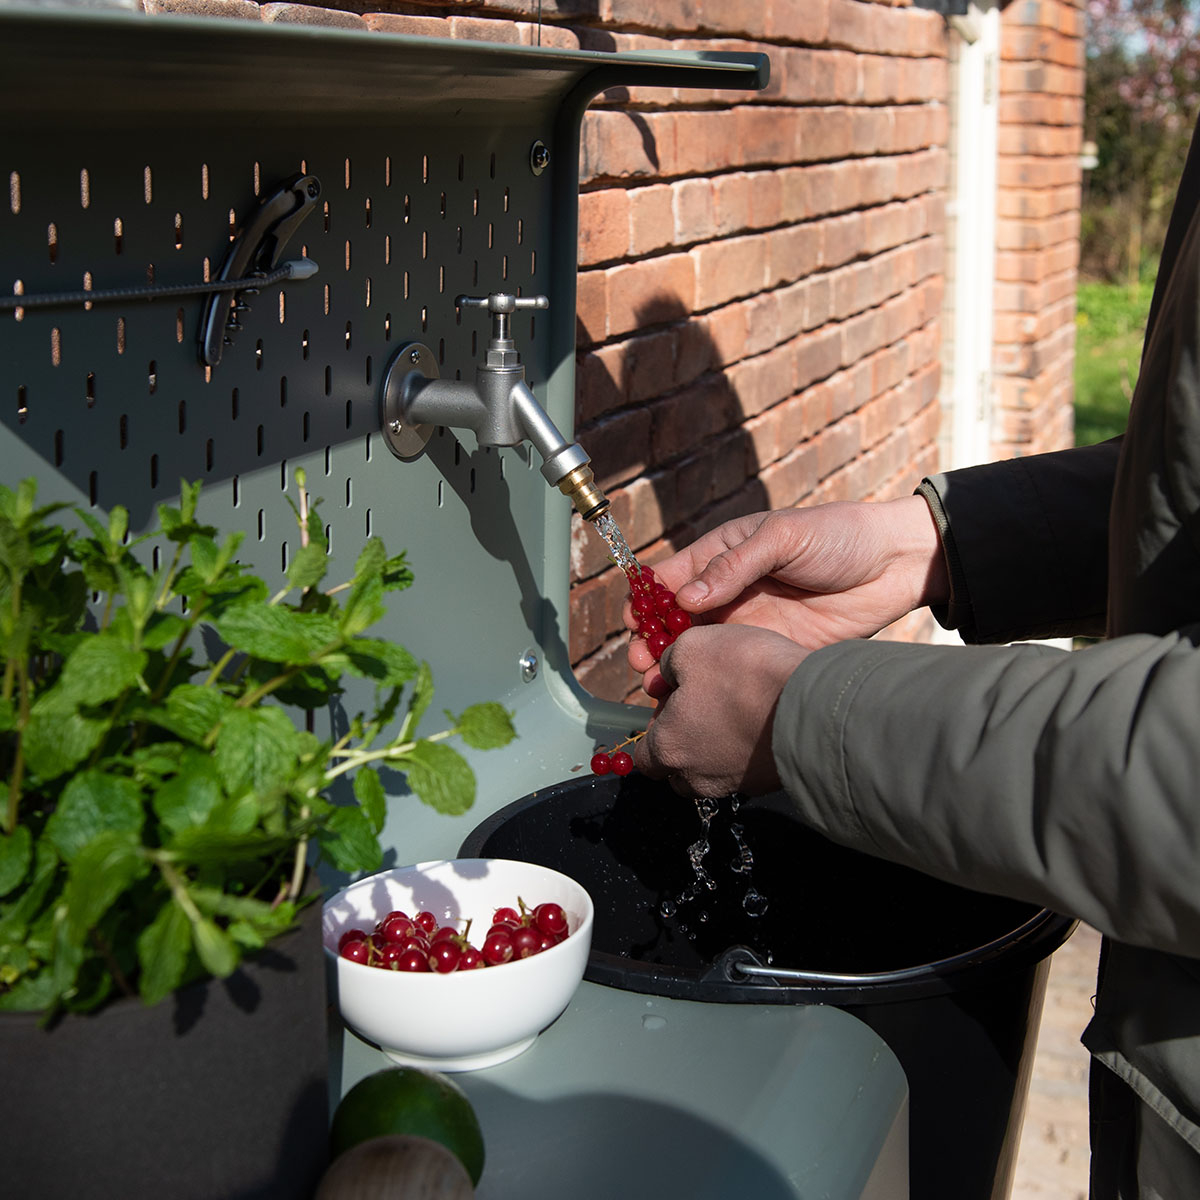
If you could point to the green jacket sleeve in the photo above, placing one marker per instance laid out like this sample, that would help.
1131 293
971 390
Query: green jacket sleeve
1013 770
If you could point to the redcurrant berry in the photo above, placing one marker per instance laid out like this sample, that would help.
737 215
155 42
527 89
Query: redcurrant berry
601 764
472 958
550 918
650 625
664 602
352 935
644 606
657 643
678 620
497 949
444 957
396 927
426 921
526 942
357 950
506 916
622 763
413 960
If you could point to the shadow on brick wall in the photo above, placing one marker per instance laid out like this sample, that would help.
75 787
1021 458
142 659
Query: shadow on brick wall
665 429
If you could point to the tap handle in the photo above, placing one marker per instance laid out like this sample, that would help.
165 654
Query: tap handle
501 305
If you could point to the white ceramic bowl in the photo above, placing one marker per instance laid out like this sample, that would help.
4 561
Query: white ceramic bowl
467 1019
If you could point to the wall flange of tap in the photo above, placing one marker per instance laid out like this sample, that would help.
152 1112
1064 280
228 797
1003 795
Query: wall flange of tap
411 365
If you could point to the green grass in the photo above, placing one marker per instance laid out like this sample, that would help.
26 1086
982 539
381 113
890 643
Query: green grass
1110 321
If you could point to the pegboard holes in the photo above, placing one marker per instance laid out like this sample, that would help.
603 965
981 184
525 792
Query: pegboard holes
349 413
282 308
93 488
87 287
85 188
52 241
405 285
328 459
441 497
347 175
367 370
148 185
283 391
14 192
349 493
368 211
424 168
387 171
325 211
234 404
304 428
56 346
329 381
204 181
262 525
258 355
443 206
369 524
232 224
90 389
236 489
182 416
387 327
367 297
208 455
260 440
424 244
58 447
347 254
154 470
407 208
119 236
461 167
123 431
22 403
152 377
327 299
257 178
458 240
492 166
348 334
179 231
475 204
179 325
304 345
387 250
120 335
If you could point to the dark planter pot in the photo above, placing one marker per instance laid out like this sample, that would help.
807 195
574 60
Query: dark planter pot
219 1093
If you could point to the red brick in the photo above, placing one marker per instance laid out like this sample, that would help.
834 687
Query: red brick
694 214
603 226
591 307
309 14
650 292
651 219
728 269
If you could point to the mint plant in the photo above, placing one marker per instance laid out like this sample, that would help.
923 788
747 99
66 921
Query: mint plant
161 803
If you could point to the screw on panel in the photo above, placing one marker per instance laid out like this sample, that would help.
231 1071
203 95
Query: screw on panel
539 157
528 663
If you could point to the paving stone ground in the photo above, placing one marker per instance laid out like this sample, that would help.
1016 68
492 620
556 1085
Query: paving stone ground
1052 1161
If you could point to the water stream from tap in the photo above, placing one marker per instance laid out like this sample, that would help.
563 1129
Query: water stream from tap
753 901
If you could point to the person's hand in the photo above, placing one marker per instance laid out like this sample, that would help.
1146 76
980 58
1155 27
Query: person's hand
711 734
816 575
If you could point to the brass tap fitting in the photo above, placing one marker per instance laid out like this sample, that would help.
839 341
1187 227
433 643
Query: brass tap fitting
580 486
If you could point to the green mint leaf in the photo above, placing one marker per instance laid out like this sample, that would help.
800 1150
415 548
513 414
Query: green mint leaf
192 712
440 777
368 791
104 868
277 634
206 556
57 738
308 566
8 715
209 846
216 949
93 803
192 795
163 629
364 606
16 853
163 948
484 726
371 559
257 748
99 669
397 574
387 663
422 695
349 842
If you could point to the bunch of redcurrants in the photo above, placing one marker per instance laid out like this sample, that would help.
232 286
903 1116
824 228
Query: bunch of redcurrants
420 943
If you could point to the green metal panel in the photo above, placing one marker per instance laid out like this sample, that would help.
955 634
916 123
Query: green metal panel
135 147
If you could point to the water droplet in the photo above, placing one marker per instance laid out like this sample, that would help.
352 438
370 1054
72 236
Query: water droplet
755 903
653 1021
668 909
702 916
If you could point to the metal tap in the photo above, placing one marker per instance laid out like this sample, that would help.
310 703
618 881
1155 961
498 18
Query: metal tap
499 408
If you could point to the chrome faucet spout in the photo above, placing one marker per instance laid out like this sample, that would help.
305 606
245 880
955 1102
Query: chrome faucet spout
500 408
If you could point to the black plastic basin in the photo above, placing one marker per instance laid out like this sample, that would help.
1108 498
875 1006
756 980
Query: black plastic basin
951 979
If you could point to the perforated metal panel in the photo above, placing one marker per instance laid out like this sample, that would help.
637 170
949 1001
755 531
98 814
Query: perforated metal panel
134 150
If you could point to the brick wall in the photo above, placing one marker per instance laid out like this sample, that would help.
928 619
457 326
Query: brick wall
761 276
1041 123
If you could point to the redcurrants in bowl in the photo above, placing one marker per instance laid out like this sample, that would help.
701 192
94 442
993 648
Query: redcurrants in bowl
426 989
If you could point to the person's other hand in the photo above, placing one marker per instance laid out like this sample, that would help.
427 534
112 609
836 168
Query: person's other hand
815 575
711 734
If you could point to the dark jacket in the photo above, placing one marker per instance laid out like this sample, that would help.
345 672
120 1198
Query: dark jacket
1066 778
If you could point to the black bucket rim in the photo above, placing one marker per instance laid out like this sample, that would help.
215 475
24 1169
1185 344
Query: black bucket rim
727 980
